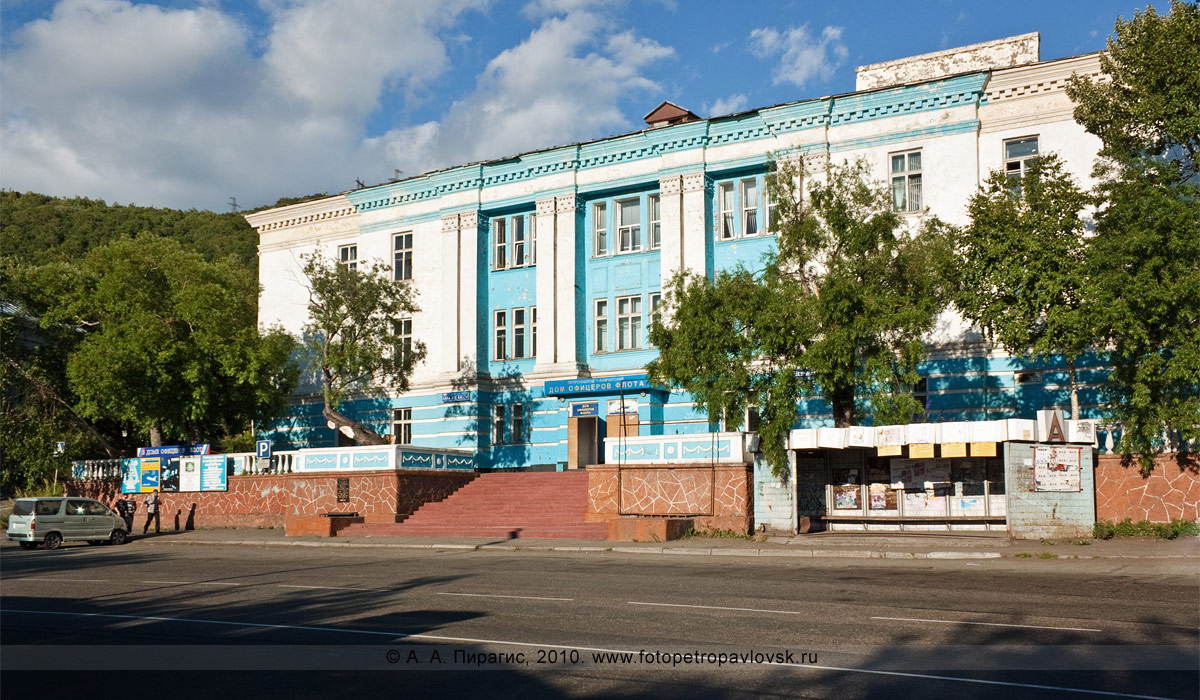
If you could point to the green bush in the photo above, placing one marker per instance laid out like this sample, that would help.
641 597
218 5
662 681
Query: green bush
1106 530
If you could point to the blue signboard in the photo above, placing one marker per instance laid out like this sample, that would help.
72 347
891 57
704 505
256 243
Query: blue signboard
455 396
212 473
263 449
636 382
173 451
131 475
585 409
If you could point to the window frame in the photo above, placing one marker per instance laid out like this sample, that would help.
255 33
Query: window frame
1022 162
600 243
907 177
402 328
629 235
518 333
498 424
727 217
655 314
533 331
402 256
654 207
516 427
747 212
520 242
348 256
402 426
600 326
499 243
500 334
629 323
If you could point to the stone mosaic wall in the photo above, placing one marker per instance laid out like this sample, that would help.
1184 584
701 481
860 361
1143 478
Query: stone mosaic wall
718 496
1172 490
265 500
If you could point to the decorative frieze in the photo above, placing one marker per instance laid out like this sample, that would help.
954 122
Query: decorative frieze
545 207
668 186
569 203
469 220
450 223
696 182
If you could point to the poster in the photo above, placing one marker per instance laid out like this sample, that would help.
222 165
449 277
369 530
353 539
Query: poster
131 475
189 474
847 497
882 497
213 474
1057 468
149 470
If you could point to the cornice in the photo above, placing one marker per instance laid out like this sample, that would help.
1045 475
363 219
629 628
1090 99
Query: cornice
327 209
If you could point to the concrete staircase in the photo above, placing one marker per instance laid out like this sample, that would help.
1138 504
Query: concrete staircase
501 505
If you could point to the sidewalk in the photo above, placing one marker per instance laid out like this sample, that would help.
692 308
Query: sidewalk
820 545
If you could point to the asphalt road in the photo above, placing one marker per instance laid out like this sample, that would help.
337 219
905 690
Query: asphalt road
217 621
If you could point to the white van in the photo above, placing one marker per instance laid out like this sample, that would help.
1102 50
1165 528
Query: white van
52 521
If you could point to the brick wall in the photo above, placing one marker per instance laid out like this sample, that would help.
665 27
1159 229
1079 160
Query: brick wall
1051 514
265 500
1170 491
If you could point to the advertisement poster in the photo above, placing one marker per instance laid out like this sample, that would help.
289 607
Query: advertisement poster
1057 469
131 475
189 474
847 497
213 474
149 472
883 497
169 477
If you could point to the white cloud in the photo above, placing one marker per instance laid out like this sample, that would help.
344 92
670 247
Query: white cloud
802 57
726 105
184 108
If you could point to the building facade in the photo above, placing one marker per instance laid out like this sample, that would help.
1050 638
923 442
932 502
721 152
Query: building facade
538 275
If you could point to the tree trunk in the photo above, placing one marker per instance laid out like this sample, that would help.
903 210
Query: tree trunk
841 401
155 436
1074 389
358 432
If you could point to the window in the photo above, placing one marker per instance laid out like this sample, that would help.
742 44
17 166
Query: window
629 323
727 199
500 239
906 181
497 425
501 344
750 207
402 329
770 201
655 316
1018 154
517 431
602 325
402 262
532 239
520 245
533 332
348 256
655 222
402 426
518 333
600 228
629 228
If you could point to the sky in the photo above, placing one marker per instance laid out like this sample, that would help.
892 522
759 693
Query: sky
194 103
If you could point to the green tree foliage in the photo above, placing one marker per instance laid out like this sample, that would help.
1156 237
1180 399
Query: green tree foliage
1022 273
38 228
1144 266
838 311
354 339
162 340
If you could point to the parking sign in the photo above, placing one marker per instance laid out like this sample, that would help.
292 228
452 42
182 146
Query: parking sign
264 449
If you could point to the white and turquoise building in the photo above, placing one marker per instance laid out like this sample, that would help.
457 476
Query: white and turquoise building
537 275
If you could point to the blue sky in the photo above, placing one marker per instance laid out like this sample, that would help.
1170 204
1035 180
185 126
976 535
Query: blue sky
185 103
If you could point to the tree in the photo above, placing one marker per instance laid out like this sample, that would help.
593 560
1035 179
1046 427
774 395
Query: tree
838 311
1022 273
355 337
1144 263
165 342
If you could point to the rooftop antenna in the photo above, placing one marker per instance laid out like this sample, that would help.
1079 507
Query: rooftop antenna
233 205
358 181
395 177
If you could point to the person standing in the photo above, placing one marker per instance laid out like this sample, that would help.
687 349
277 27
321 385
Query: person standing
153 506
125 507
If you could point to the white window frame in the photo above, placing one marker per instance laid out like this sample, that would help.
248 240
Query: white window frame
600 243
500 334
727 215
518 334
629 322
402 426
499 244
402 256
402 328
532 239
654 203
1016 166
749 211
907 180
533 331
348 256
498 424
655 302
520 243
600 326
629 234
516 430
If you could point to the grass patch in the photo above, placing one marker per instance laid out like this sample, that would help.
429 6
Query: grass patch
716 534
1047 555
1023 555
1082 543
1048 543
1107 529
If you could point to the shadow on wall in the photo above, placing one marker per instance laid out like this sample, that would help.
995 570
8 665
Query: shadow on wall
498 422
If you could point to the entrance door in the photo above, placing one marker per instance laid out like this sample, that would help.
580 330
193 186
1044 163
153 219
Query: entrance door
583 442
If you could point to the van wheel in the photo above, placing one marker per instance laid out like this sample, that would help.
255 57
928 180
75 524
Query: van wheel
28 545
53 540
118 537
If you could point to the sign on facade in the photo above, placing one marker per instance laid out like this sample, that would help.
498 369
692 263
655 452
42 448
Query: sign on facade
1056 468
455 396
585 409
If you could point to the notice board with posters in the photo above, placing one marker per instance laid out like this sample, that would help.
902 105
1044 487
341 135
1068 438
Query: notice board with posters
1057 468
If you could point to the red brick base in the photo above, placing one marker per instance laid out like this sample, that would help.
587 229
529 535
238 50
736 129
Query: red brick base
1170 491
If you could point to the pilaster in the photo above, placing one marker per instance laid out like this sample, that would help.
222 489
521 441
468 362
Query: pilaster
696 195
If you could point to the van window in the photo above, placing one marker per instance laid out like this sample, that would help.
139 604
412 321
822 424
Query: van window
48 507
23 507
96 508
77 508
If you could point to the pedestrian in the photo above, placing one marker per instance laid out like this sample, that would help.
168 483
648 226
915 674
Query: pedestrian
125 507
153 506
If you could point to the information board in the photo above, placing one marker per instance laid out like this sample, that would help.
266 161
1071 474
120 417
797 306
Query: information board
1057 468
213 473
